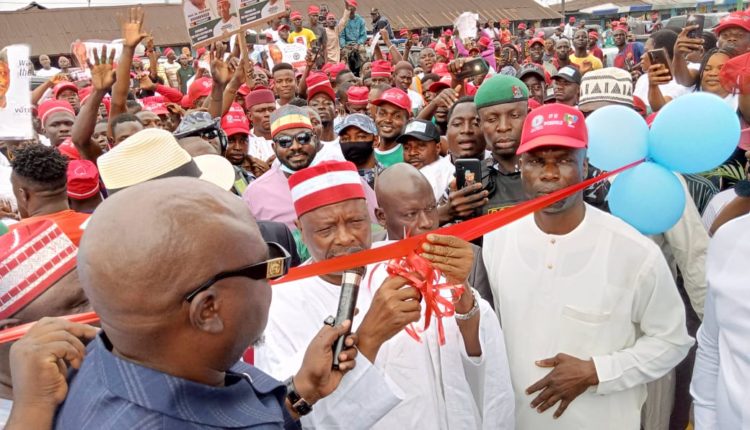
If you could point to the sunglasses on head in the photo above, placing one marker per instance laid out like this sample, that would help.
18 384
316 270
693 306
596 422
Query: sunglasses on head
275 267
286 141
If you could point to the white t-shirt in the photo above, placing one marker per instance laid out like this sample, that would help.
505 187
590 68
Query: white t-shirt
439 174
716 205
200 16
671 90
47 73
417 102
272 7
223 27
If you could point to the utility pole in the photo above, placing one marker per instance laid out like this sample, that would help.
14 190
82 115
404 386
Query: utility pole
562 6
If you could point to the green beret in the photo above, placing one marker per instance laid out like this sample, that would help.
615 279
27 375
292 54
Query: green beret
500 89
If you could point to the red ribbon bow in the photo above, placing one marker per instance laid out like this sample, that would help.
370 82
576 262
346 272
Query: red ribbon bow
423 276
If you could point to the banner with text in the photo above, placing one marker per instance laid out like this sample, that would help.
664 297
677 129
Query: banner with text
15 97
209 21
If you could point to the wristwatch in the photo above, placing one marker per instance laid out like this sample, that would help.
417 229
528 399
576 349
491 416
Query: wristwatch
300 405
472 312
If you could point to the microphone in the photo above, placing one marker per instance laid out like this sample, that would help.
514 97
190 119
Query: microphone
347 302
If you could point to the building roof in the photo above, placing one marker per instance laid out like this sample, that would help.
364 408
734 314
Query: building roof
52 31
415 14
578 5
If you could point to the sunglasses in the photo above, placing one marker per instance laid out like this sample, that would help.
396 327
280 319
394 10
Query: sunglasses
273 268
285 141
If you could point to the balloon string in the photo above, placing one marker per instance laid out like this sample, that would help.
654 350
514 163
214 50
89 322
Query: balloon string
467 230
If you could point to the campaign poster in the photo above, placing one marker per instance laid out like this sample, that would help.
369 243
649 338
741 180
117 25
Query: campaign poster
83 51
15 97
209 21
291 53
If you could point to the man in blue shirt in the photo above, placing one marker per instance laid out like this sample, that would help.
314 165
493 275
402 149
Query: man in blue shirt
355 31
177 271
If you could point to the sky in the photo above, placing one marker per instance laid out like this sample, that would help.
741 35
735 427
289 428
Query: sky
9 5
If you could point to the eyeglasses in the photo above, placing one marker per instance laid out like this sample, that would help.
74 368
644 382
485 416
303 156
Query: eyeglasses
209 134
273 268
286 141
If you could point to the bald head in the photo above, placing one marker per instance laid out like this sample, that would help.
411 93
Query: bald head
150 245
407 203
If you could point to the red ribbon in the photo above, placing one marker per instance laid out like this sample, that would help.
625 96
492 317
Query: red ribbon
467 230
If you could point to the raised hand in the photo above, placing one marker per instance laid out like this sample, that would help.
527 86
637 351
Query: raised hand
132 27
102 71
219 68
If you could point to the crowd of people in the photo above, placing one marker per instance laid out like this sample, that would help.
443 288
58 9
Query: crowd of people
165 191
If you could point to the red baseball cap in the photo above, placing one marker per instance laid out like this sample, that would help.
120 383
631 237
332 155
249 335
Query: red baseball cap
313 9
554 125
358 96
734 19
65 85
157 108
235 121
295 15
83 179
522 26
352 3
443 83
282 26
381 69
395 97
484 41
536 40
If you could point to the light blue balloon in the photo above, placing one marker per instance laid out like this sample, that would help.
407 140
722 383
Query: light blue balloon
694 133
618 136
648 197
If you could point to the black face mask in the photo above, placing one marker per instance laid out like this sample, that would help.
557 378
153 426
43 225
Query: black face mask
357 152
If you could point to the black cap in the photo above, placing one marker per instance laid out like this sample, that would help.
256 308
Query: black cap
531 69
568 73
420 129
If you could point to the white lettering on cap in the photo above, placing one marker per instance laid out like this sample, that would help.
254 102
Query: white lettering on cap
418 127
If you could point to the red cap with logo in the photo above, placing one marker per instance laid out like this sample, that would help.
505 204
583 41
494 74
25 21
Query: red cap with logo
83 179
395 97
318 82
235 121
199 88
735 19
157 108
554 125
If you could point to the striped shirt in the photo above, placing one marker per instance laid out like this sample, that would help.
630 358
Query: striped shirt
109 392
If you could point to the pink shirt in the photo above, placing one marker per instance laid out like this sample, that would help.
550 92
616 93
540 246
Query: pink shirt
269 198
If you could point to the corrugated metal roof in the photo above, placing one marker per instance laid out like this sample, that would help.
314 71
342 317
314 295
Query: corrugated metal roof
52 31
577 5
415 14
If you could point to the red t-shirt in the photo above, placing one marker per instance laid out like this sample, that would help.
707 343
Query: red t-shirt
68 220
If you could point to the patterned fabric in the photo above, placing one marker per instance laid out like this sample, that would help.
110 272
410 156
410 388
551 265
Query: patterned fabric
112 393
701 190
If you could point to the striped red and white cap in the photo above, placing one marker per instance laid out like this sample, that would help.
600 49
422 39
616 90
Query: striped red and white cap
325 184
33 258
